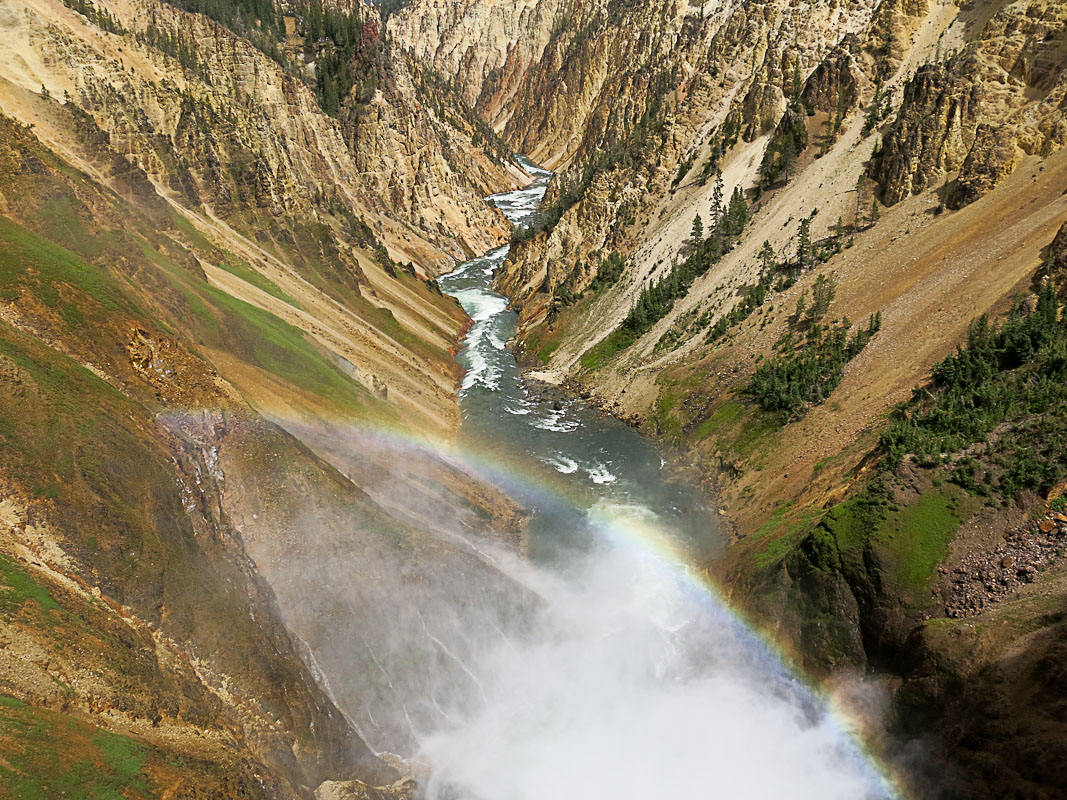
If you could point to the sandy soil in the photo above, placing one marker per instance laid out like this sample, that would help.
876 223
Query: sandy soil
930 277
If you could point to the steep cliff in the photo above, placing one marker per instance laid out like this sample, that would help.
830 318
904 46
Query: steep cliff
998 97
485 47
302 209
206 278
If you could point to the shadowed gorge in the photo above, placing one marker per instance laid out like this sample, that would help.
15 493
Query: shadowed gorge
470 400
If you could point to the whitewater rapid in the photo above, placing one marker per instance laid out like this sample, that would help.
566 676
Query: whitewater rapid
627 677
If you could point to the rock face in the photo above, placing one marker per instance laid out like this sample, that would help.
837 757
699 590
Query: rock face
659 85
319 207
992 157
1058 249
487 46
1007 86
412 178
933 134
205 280
641 90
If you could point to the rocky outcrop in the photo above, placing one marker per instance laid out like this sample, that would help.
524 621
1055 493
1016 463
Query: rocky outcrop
834 86
992 157
989 577
486 47
933 132
305 216
236 132
1058 249
725 78
1007 86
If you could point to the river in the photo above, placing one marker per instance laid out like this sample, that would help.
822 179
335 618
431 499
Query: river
562 455
632 679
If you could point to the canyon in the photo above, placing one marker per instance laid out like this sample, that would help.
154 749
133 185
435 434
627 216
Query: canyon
242 466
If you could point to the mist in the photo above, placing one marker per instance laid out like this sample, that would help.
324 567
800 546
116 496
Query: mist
631 681
599 668
586 662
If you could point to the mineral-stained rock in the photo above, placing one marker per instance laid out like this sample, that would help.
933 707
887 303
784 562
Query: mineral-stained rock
993 156
932 134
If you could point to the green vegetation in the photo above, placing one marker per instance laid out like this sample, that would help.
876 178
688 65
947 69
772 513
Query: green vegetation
608 273
780 276
879 108
17 588
1006 389
49 755
683 169
657 300
333 37
667 425
752 299
726 414
100 17
343 63
917 537
544 353
907 542
28 261
789 141
782 532
791 383
235 266
258 21
175 46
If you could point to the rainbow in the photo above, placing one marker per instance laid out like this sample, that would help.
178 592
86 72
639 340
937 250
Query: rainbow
627 527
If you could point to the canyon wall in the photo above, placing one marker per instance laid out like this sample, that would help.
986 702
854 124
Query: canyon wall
218 323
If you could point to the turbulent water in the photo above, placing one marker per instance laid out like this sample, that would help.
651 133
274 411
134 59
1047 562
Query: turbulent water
626 678
557 455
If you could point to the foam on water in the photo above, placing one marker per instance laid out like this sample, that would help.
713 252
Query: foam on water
562 464
556 421
600 474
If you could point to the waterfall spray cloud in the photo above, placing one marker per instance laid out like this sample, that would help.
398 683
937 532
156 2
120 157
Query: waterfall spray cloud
632 682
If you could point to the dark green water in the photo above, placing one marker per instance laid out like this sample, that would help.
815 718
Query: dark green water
557 455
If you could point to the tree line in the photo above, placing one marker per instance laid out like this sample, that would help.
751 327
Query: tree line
1010 379
702 250
790 384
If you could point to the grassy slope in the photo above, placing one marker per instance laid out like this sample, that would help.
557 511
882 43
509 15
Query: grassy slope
84 273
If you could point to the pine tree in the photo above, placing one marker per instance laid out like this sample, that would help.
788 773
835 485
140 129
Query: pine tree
876 214
797 86
766 255
861 191
331 102
823 293
697 233
716 206
737 214
842 110
804 253
788 158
